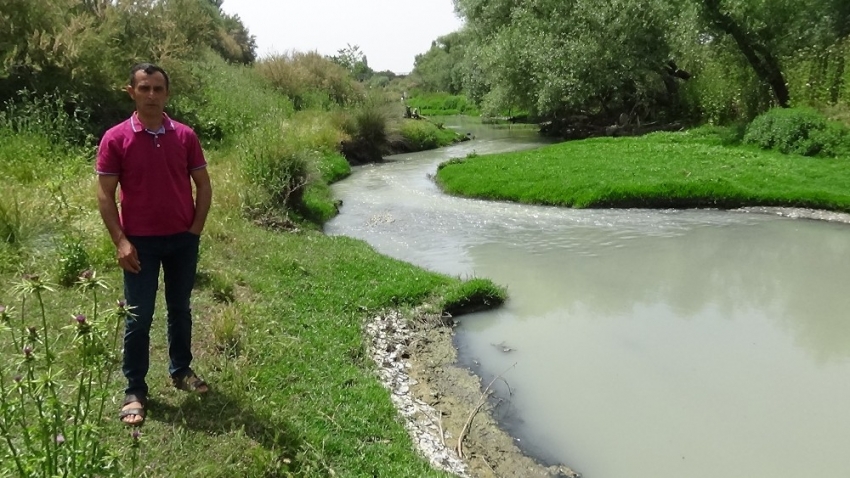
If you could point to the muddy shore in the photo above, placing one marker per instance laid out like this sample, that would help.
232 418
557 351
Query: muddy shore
439 401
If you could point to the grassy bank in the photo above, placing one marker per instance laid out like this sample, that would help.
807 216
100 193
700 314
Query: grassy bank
442 104
696 168
279 306
278 334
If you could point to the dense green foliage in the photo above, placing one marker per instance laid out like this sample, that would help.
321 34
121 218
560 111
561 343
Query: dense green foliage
798 131
662 60
442 68
80 50
661 170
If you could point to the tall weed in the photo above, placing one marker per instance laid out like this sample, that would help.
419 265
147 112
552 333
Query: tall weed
54 391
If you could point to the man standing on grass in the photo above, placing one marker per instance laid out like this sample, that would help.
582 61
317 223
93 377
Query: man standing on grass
155 160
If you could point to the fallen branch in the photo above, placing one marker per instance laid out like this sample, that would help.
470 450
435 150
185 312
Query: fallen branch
481 401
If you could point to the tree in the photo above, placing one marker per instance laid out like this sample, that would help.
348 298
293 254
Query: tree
354 60
443 66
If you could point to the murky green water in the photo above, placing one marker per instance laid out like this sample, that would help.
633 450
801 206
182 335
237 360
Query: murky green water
663 344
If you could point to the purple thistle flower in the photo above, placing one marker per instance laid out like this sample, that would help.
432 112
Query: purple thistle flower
33 331
60 439
17 378
136 434
27 351
80 318
122 303
87 274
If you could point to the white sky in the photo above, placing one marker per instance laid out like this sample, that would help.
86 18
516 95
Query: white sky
389 32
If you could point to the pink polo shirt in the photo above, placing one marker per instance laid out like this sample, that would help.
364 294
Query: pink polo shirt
153 174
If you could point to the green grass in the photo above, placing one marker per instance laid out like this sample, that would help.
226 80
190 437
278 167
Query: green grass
421 135
442 104
661 170
278 334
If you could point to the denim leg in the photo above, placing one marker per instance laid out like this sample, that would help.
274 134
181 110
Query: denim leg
140 293
179 267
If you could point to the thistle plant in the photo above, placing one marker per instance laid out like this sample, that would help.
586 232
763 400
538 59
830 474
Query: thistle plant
53 393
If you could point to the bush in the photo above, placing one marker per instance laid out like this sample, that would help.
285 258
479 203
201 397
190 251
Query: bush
310 80
276 159
367 130
214 112
422 135
801 131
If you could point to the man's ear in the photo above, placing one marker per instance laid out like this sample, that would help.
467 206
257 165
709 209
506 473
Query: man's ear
130 91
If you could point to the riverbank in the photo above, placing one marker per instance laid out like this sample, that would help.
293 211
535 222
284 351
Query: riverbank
695 168
279 310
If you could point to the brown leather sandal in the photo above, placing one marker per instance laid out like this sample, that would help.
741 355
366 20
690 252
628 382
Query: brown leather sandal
139 411
190 382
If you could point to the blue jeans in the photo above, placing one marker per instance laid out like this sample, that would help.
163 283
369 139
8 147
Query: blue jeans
178 256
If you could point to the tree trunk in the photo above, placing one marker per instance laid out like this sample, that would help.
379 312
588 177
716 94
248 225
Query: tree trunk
760 58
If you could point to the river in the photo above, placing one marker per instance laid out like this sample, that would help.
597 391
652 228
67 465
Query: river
635 343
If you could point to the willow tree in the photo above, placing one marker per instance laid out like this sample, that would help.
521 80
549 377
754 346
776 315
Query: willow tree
555 57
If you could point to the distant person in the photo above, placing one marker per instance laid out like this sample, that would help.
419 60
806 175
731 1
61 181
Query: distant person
155 160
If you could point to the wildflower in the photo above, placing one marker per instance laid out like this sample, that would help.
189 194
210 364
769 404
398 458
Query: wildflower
28 351
33 332
122 303
17 378
136 434
60 439
80 318
86 275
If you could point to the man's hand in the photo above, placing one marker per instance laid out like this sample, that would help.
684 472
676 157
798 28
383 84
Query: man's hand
128 259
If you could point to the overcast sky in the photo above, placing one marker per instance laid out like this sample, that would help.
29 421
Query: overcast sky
389 32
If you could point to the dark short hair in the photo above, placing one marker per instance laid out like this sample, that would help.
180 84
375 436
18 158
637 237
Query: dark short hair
148 68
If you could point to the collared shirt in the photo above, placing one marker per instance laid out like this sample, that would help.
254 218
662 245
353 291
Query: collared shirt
153 169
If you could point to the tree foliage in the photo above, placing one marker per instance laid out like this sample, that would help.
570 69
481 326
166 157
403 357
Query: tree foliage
560 57
442 67
82 49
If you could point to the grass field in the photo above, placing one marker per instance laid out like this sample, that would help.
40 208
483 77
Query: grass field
696 168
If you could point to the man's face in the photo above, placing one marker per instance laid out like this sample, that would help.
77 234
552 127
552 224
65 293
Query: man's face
149 93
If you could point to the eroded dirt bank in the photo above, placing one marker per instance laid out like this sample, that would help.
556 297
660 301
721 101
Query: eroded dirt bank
436 398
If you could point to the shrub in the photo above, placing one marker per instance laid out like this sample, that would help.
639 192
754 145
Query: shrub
797 131
277 160
310 80
421 135
217 114
367 130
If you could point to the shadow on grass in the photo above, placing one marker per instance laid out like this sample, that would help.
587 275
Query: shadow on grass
217 413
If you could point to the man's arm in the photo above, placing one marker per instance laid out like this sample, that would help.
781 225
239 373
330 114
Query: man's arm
106 187
203 199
